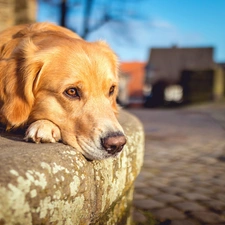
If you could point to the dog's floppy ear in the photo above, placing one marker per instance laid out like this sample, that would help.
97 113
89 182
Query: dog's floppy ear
19 73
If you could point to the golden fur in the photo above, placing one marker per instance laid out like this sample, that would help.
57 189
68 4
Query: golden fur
61 86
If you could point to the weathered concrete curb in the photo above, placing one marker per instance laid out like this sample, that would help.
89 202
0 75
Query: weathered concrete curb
54 184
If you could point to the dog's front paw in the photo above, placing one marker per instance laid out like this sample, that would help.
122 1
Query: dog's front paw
43 131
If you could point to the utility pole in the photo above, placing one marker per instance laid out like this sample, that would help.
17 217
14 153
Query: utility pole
63 13
87 14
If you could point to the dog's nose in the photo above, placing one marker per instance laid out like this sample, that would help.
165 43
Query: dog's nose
114 143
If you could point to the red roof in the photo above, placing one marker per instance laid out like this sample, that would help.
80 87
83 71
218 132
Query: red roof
136 71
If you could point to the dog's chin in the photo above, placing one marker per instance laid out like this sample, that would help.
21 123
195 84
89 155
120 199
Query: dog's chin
96 153
90 150
93 156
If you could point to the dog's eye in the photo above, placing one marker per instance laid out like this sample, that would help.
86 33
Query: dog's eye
72 93
111 90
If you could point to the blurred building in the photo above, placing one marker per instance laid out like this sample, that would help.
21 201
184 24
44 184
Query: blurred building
168 63
13 12
219 84
133 74
181 75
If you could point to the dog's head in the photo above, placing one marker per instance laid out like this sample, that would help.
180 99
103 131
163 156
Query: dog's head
73 84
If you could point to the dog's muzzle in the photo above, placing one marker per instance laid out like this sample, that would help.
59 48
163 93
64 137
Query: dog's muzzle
113 143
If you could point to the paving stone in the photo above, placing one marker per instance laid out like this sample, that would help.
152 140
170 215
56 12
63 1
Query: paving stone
208 217
208 160
156 184
140 179
195 196
168 213
140 184
181 185
203 190
199 183
183 180
217 189
183 222
147 204
215 205
167 198
162 179
138 216
146 174
173 190
215 223
148 191
219 182
221 196
189 206
139 196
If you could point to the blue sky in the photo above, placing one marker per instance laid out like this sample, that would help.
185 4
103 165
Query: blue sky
135 26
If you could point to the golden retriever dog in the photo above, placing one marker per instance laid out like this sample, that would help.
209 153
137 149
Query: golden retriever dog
60 87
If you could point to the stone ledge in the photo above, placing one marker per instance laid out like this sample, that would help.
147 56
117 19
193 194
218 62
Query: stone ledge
54 184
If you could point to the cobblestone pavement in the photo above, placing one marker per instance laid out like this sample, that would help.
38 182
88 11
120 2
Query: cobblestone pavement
182 181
